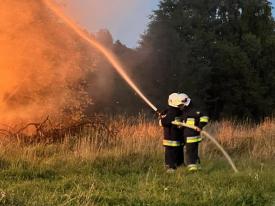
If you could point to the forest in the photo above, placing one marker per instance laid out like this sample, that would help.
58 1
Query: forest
221 53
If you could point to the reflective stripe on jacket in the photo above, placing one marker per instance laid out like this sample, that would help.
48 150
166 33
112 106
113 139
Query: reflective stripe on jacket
192 117
171 132
204 119
191 121
193 139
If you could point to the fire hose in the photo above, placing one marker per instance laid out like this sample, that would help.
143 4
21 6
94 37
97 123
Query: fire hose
230 161
119 68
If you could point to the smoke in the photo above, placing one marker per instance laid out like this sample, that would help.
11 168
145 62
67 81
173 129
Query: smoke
40 59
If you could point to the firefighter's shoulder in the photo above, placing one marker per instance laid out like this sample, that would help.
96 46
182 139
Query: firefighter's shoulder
204 117
194 113
198 113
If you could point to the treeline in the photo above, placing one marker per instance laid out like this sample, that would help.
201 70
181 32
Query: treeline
221 53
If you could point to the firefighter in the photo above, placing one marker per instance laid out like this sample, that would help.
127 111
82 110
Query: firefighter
173 141
192 137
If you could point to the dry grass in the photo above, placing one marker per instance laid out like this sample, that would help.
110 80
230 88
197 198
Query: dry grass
83 170
255 141
141 135
238 138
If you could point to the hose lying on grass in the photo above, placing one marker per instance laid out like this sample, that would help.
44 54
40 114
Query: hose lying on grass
211 138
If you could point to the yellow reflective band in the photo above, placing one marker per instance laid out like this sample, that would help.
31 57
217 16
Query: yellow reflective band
190 121
192 167
172 143
204 119
193 139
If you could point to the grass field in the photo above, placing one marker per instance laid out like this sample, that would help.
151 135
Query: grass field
131 171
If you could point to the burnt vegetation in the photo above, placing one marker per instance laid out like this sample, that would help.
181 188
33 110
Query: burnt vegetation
47 132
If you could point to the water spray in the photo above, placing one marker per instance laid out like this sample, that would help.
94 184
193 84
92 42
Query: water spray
211 138
121 71
222 150
107 53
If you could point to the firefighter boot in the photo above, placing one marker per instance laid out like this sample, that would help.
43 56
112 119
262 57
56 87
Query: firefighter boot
192 168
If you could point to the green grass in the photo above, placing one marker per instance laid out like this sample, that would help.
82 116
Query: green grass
130 171
132 179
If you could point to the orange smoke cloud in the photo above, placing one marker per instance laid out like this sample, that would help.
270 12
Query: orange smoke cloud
39 64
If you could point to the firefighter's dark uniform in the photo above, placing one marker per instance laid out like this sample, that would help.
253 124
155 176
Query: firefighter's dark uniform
192 137
173 141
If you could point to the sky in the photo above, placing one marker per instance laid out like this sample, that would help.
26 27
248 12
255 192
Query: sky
125 19
273 4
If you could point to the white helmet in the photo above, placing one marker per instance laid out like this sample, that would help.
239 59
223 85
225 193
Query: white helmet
177 99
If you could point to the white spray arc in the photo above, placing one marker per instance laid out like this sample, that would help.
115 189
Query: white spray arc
222 150
92 42
212 139
119 68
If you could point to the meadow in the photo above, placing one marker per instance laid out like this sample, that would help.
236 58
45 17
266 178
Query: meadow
85 169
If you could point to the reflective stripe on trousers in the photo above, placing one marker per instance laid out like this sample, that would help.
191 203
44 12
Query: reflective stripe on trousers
193 139
172 143
192 167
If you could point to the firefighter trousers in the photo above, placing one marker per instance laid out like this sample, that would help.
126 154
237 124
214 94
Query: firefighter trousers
173 156
192 153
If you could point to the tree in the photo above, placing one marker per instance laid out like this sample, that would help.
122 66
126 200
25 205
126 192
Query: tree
217 51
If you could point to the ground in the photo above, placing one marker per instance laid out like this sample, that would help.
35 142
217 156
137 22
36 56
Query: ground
92 168
133 179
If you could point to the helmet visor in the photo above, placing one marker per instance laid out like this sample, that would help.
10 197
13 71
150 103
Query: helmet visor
186 101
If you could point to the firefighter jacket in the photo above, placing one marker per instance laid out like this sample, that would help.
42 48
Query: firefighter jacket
193 117
172 133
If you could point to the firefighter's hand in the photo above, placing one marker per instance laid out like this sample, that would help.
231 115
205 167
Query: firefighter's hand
197 129
161 115
158 113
